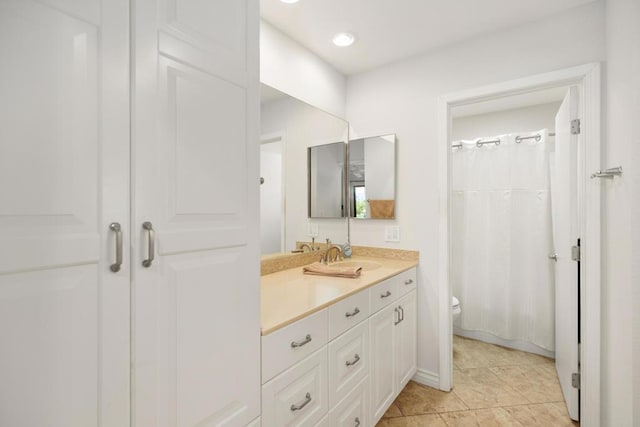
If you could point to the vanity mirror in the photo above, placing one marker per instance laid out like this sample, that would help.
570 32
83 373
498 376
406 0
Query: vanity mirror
289 127
326 179
372 174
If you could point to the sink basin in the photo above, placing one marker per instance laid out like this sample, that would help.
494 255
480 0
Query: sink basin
366 265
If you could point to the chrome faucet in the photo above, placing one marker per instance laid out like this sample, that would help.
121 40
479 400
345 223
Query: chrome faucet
306 245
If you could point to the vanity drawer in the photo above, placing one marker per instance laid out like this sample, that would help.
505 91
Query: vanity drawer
353 410
348 362
348 313
383 294
284 347
407 281
298 396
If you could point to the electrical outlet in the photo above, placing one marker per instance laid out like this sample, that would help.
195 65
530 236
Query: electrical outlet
392 233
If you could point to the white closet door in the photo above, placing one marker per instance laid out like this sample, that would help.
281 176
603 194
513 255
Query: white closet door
196 309
64 144
566 235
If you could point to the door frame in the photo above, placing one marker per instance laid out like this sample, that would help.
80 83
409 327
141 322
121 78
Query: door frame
588 80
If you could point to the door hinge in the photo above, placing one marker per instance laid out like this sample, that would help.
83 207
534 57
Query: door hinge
575 380
575 253
575 127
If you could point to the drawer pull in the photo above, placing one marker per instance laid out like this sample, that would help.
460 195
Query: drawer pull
401 313
355 360
385 295
353 313
408 282
357 420
307 399
397 316
307 340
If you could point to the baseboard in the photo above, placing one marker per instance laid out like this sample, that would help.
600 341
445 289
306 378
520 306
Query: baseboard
427 378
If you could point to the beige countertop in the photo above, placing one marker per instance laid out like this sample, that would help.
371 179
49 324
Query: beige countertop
290 295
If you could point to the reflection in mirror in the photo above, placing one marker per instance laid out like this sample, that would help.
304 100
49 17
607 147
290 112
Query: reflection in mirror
288 128
326 180
372 177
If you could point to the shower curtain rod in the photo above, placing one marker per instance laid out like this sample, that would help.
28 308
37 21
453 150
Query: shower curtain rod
496 141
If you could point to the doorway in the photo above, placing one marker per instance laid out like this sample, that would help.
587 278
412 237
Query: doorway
586 80
272 194
513 280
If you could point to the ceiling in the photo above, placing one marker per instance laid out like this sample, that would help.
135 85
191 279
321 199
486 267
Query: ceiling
391 30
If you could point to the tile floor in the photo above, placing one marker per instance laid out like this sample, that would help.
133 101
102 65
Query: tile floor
493 386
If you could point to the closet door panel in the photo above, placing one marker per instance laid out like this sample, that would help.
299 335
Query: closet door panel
49 138
49 354
64 162
202 167
211 36
197 331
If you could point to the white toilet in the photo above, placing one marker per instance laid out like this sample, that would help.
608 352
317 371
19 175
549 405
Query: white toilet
455 304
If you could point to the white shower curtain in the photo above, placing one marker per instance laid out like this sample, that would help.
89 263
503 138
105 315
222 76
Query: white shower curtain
501 238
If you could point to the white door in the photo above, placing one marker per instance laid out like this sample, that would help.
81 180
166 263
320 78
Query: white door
64 150
195 144
406 340
565 230
383 360
272 196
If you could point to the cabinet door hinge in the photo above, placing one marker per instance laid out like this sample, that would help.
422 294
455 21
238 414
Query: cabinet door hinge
575 253
575 380
575 127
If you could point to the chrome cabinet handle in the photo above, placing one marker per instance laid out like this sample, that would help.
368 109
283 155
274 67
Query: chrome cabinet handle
307 340
385 295
357 421
115 226
353 313
408 282
355 360
401 313
152 244
554 257
299 406
397 316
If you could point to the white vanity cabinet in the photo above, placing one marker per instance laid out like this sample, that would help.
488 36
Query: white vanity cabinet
393 337
343 365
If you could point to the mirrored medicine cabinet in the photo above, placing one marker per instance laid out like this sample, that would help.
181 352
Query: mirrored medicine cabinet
372 173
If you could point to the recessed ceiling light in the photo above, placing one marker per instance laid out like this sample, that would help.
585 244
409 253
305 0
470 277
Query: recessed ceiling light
289 1
343 39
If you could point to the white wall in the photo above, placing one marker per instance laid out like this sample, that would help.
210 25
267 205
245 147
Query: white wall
527 119
401 98
301 126
289 67
621 135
